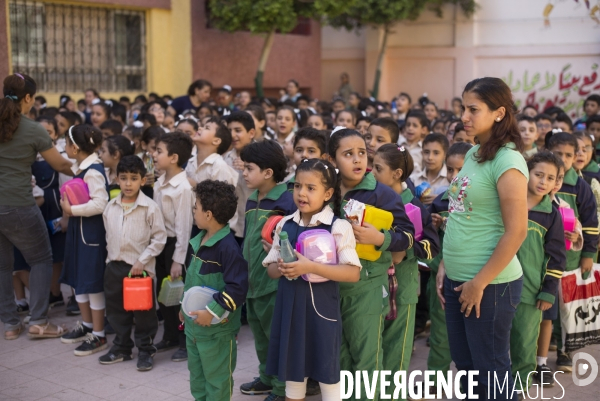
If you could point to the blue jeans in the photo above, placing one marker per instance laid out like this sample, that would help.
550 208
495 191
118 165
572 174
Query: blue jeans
23 227
483 343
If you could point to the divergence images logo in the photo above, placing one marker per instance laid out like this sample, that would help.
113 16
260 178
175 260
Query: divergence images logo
589 365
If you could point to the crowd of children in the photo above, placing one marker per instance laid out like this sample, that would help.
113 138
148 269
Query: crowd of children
182 189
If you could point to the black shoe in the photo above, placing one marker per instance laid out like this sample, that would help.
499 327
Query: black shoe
145 361
91 345
108 329
255 387
547 375
275 397
22 309
77 335
552 346
165 345
56 300
180 355
312 387
111 357
563 362
73 307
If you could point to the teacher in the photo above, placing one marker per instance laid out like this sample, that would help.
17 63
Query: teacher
21 222
486 225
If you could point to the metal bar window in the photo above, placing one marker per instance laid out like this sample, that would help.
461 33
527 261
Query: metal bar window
68 48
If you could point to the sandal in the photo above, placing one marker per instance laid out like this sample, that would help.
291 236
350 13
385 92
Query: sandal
47 330
15 333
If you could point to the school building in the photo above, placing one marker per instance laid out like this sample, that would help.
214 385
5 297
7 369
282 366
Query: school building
127 47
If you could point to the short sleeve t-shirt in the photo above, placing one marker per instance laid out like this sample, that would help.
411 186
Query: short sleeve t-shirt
183 103
475 224
16 159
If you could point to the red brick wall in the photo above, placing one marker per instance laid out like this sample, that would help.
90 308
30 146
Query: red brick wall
232 58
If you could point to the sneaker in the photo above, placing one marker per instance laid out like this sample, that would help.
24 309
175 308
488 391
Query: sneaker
91 345
165 345
56 300
552 346
73 307
548 376
312 387
145 361
77 335
22 309
275 397
111 357
180 355
255 387
563 362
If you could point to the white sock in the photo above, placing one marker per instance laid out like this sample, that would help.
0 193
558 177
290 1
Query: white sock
88 325
99 333
22 302
541 360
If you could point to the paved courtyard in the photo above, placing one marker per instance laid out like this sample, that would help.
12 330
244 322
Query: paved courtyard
48 370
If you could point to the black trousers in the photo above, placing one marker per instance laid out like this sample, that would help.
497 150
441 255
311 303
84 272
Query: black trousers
169 313
146 322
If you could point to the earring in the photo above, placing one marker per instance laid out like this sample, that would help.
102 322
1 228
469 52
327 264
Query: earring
498 119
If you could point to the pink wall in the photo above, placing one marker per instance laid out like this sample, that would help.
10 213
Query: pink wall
232 58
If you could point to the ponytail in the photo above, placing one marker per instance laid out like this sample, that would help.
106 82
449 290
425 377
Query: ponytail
16 87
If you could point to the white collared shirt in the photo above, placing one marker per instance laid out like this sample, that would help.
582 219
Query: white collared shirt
175 198
242 191
96 186
211 168
341 229
415 150
135 234
440 181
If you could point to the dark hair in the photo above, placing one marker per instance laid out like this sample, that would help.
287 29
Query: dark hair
592 119
178 143
397 157
190 121
87 137
219 198
105 108
529 106
135 132
143 117
555 138
302 117
158 101
459 149
329 179
118 110
406 95
125 99
131 164
523 117
419 115
439 138
495 94
151 133
257 111
243 118
141 98
318 115
266 154
222 133
545 156
94 91
16 87
121 144
582 135
72 117
553 110
390 125
336 138
112 125
198 84
368 119
49 111
314 135
543 116
337 100
63 100
41 99
594 97
303 97
49 120
564 118
154 95
291 110
337 114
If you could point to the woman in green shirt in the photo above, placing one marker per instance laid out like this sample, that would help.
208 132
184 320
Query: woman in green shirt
486 225
21 222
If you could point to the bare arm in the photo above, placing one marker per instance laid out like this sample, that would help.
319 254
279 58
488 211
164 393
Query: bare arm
57 162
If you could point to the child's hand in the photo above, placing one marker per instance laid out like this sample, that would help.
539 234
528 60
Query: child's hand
295 269
238 164
181 317
203 317
64 224
149 178
586 265
572 236
66 206
437 220
397 257
176 270
266 246
137 269
428 199
543 305
367 234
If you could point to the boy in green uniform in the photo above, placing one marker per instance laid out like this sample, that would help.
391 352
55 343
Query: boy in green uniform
216 262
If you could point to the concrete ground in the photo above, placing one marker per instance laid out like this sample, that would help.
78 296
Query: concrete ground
47 370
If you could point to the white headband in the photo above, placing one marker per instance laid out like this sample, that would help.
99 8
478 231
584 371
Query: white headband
336 129
71 137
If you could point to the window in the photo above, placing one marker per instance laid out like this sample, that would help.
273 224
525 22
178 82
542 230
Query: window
69 48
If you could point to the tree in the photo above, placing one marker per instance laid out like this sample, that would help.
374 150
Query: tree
383 14
266 17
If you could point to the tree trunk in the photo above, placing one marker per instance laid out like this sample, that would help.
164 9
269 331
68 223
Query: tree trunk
262 64
375 91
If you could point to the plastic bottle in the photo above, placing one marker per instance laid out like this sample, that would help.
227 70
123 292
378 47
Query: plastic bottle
287 252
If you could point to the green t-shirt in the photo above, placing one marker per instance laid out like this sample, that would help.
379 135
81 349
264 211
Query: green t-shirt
16 158
475 224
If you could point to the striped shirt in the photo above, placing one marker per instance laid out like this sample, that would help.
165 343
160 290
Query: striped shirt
96 186
136 233
175 198
341 229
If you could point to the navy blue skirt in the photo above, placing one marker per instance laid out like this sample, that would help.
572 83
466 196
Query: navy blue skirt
305 339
